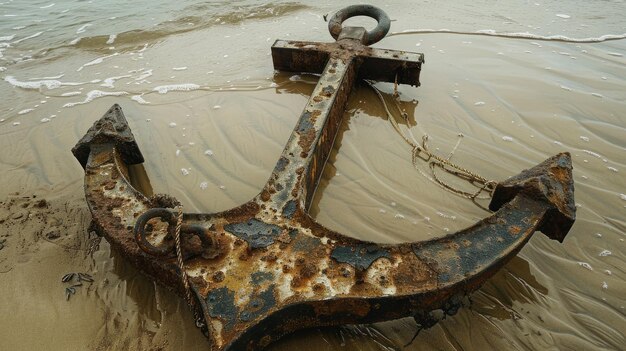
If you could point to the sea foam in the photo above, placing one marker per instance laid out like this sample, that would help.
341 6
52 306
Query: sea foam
48 83
520 35
139 99
164 89
94 94
28 37
96 61
108 82
111 39
83 28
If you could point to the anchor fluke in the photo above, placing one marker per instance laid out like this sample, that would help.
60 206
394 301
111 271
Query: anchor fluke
550 181
112 128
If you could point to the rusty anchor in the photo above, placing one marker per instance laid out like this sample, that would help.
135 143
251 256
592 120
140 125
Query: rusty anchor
266 268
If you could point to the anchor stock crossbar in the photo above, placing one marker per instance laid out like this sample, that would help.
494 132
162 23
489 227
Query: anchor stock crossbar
266 268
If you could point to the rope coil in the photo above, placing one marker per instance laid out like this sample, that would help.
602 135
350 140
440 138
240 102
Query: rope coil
422 152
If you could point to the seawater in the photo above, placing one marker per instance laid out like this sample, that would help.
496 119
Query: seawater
511 83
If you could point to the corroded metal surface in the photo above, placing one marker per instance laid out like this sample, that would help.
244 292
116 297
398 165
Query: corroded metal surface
266 268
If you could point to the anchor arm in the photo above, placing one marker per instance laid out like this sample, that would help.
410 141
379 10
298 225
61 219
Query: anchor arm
326 278
105 152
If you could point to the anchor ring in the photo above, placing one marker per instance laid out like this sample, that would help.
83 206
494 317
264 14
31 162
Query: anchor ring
373 36
208 242
140 230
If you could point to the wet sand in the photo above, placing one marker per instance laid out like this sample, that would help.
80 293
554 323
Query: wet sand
515 101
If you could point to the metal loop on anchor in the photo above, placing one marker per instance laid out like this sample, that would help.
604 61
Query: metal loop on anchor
167 215
373 36
140 230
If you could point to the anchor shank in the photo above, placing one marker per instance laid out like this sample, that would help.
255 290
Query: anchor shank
296 175
334 87
302 161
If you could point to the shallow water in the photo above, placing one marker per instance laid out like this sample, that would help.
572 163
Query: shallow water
194 78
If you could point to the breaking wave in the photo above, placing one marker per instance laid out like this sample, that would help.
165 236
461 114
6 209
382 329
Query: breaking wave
56 45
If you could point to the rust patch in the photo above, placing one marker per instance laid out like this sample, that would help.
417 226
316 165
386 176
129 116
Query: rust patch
305 269
413 272
515 230
218 277
306 140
